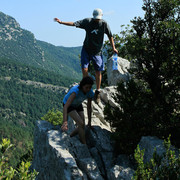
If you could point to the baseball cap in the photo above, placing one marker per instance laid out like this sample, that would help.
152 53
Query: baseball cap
97 14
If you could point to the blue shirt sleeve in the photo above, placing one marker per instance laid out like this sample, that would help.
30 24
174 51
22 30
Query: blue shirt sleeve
74 89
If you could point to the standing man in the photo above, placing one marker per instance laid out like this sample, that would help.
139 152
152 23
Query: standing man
95 29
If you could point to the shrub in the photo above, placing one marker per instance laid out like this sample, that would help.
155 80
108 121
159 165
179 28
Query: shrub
53 116
150 101
134 118
159 167
8 172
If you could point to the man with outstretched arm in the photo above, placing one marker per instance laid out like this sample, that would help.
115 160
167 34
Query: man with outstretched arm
95 29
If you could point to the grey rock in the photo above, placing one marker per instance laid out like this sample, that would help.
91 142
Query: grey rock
79 150
98 112
118 75
124 161
108 158
42 127
57 156
150 143
97 157
107 95
100 138
120 173
51 154
90 167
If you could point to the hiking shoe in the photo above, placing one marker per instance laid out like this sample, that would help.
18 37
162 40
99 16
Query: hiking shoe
97 98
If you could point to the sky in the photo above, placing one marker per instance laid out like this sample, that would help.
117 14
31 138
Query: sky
37 16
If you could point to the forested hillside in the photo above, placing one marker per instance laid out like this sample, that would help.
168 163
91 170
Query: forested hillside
26 94
33 79
21 46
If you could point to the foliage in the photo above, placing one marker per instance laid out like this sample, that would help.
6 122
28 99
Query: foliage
150 101
62 59
15 70
22 104
53 116
133 116
159 167
8 172
123 43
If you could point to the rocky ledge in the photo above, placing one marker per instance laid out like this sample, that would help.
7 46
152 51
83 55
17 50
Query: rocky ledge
57 156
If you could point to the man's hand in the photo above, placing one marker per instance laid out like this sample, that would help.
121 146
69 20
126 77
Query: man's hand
64 23
57 20
64 126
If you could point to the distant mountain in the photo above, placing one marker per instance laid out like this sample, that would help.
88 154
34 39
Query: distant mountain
20 45
62 59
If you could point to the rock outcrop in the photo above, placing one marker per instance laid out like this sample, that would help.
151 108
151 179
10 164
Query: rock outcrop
121 74
149 144
57 156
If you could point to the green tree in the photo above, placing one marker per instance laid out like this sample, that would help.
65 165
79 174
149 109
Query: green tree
53 116
7 172
162 167
150 101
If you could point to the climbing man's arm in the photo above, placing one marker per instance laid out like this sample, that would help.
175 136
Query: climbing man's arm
89 111
112 44
64 23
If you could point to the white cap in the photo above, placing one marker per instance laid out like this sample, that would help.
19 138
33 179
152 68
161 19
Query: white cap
97 14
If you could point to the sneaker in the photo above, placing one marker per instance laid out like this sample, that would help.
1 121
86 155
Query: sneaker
97 98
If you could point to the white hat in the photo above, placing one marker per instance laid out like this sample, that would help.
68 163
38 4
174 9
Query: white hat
97 14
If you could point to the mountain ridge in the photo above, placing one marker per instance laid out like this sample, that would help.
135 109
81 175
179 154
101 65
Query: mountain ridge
20 45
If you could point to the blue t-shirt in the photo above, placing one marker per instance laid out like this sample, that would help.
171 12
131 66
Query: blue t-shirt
80 96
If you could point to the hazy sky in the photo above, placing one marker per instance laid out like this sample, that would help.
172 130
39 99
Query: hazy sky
37 16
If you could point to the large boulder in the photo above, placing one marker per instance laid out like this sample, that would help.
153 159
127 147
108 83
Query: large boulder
58 156
107 95
150 144
51 157
121 173
115 76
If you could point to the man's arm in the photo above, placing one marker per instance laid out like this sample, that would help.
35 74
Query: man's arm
89 111
112 44
64 23
65 116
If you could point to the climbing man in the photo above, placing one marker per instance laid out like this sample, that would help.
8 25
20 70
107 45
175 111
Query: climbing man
95 29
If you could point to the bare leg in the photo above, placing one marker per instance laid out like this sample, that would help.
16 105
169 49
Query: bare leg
98 79
81 114
81 131
75 132
85 72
